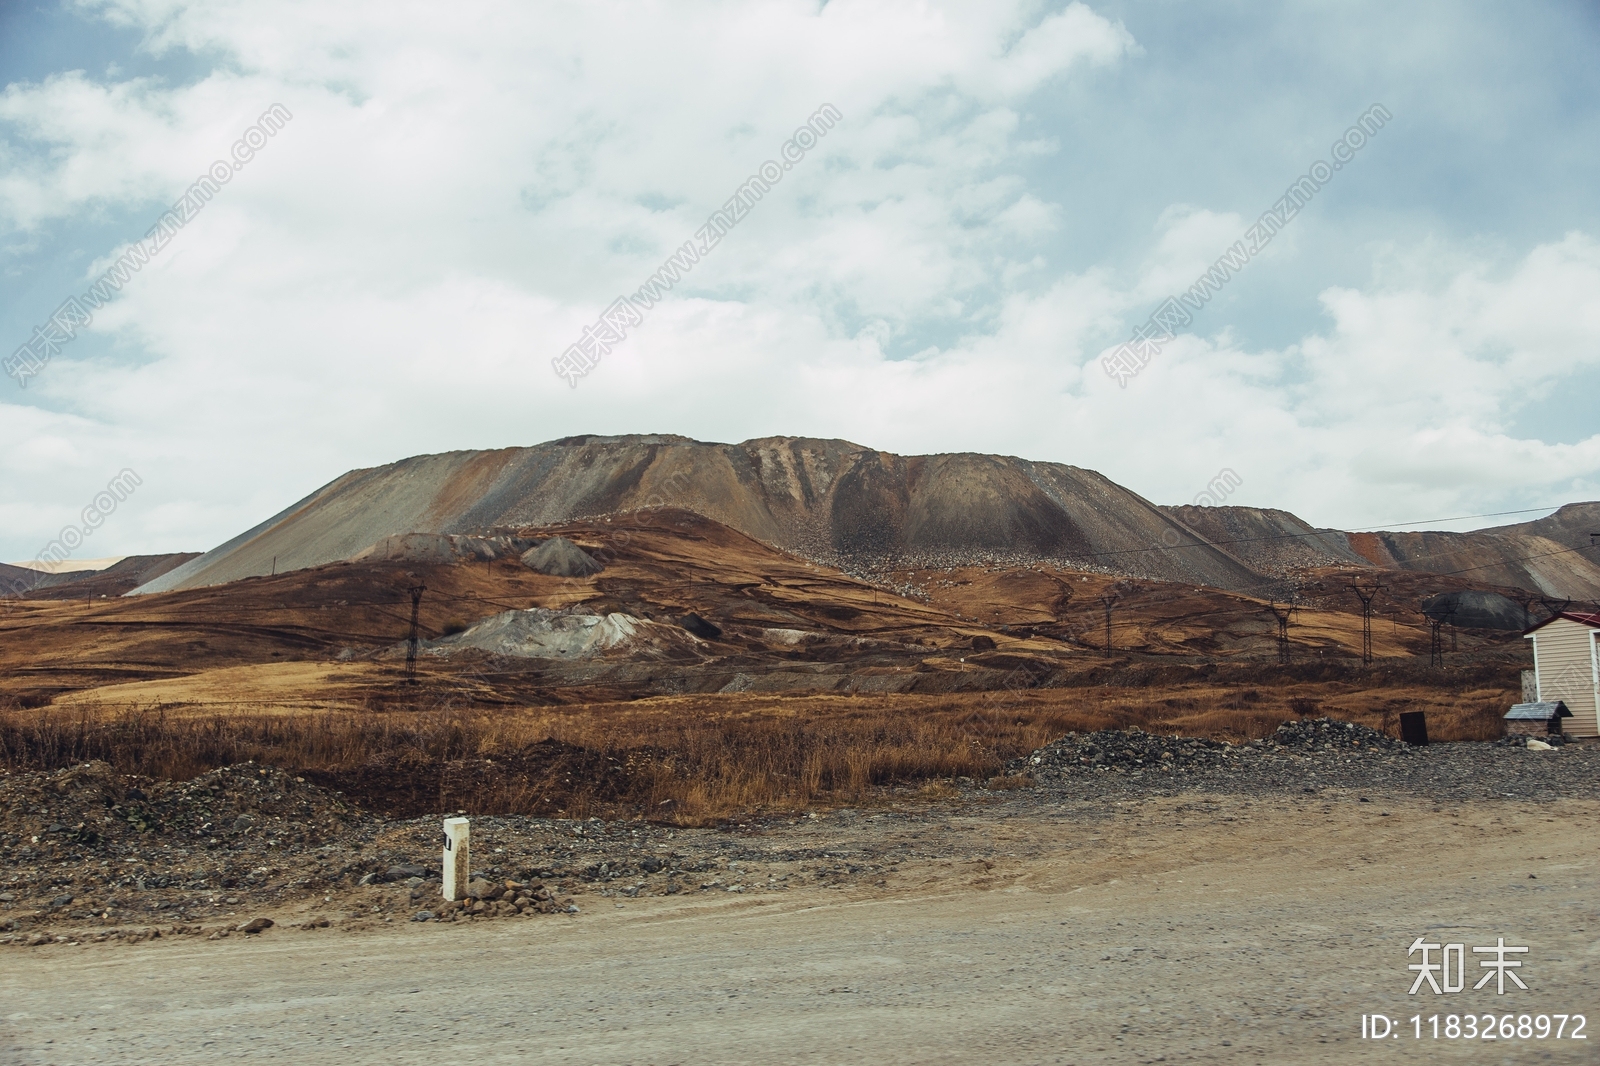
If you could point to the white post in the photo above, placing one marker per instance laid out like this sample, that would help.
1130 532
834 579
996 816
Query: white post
457 857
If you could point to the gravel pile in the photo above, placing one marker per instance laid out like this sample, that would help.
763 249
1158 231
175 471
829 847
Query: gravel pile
1304 757
1123 752
487 899
1325 734
1134 751
52 817
90 854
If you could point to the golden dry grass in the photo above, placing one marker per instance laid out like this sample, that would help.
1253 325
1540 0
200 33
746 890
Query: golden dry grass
691 759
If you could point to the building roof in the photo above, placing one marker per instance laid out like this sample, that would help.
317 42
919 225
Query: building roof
1542 711
1592 620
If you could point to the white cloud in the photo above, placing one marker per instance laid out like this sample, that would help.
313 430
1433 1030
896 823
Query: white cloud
462 189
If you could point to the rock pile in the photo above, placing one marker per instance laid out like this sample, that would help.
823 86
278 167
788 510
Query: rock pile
1123 752
1134 751
93 810
559 557
1325 734
503 899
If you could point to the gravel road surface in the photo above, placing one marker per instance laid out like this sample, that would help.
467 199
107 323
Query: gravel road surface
1034 928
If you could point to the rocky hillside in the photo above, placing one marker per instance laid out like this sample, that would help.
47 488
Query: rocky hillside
834 502
1552 555
115 580
1271 541
870 512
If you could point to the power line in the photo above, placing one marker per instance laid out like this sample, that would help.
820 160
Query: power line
1457 518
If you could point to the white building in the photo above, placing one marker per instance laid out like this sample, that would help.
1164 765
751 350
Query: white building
1566 667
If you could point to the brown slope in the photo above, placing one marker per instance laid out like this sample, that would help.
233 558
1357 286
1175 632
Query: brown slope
1571 525
830 500
332 636
115 580
1552 555
1270 540
1515 560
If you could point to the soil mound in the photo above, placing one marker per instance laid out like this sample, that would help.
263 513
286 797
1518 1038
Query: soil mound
438 548
832 501
559 557
1476 610
92 809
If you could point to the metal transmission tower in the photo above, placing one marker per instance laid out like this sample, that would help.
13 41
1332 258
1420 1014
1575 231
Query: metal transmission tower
1282 615
411 641
1526 602
1366 596
1108 602
1553 606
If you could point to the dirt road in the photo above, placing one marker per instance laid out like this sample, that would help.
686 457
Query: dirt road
1169 929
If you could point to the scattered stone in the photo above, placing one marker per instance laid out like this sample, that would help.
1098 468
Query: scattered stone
254 925
422 916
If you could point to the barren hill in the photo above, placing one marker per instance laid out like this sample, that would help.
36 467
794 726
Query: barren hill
834 502
115 580
869 512
1269 540
1552 555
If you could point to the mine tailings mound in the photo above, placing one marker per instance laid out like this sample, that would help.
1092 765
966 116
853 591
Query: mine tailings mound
832 501
1551 553
559 557
857 509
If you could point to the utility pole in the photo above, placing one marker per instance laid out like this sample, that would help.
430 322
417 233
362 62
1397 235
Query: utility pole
1366 596
411 641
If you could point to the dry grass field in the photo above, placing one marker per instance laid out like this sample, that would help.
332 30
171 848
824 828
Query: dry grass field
693 759
819 688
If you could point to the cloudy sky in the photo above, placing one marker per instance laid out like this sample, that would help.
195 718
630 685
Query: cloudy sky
1012 189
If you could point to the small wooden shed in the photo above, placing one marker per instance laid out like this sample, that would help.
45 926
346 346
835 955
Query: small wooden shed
1566 668
1536 719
